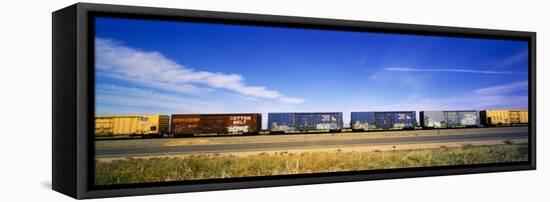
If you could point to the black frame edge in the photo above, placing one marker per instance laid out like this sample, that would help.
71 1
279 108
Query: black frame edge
297 21
64 159
533 99
78 187
85 90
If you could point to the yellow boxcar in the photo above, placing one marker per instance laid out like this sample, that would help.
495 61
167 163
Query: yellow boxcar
132 125
505 117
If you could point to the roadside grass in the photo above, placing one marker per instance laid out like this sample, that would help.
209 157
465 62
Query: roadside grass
193 167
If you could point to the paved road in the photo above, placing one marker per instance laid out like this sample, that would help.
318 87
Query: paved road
121 152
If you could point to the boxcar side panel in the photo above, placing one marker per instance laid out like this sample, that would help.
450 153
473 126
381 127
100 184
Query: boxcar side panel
469 118
190 124
362 120
404 119
524 116
289 122
433 119
505 117
498 117
185 124
318 121
130 125
243 123
449 119
103 126
280 122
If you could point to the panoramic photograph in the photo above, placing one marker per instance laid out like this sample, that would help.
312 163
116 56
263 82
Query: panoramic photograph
187 101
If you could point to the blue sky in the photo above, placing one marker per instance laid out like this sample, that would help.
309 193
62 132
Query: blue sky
147 66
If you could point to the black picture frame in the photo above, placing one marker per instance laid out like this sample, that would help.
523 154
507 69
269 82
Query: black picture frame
73 100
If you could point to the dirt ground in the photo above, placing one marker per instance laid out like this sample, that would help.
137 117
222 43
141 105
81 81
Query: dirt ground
168 142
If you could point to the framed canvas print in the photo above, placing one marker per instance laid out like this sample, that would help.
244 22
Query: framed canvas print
155 100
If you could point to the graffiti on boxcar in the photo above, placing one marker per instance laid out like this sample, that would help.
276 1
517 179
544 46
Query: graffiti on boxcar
186 120
327 118
283 127
469 119
237 129
326 126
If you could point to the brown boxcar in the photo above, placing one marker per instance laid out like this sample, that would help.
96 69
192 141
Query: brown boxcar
191 124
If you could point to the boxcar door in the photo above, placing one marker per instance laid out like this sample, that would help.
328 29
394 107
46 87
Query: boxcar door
514 117
383 120
452 119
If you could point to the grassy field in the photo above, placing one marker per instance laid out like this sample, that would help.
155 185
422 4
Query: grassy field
193 167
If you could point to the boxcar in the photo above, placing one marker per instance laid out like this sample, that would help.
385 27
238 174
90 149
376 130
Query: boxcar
304 121
192 124
132 125
384 120
504 117
449 119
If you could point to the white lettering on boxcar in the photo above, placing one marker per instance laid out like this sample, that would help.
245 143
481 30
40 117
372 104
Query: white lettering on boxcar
240 120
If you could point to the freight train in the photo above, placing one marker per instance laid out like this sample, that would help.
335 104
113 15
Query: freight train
186 125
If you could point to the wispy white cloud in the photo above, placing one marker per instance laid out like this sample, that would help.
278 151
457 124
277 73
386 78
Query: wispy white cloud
154 70
173 87
408 69
503 102
140 98
504 96
514 59
465 101
503 89
291 100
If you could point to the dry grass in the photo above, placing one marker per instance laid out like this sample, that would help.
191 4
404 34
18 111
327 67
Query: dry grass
225 166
